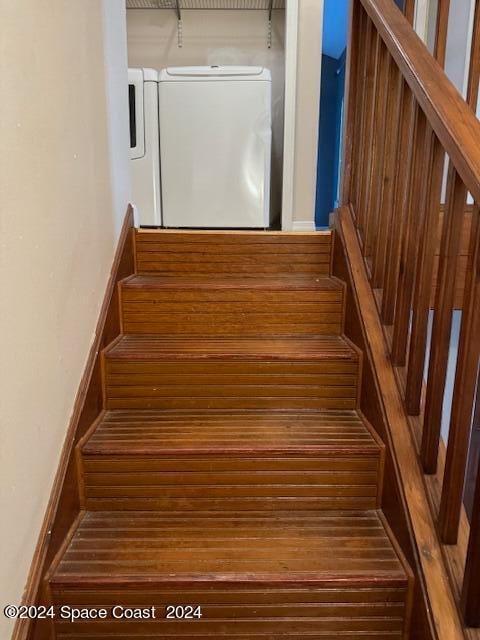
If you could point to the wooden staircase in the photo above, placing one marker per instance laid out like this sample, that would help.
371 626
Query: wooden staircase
231 468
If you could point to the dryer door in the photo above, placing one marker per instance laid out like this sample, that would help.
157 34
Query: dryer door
136 111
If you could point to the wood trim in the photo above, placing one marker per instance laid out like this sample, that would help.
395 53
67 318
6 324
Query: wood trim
79 458
393 502
432 571
454 555
64 546
381 444
408 571
64 503
447 112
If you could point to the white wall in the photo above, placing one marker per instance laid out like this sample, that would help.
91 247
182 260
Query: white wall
114 22
424 21
215 37
309 70
458 37
458 49
458 46
62 204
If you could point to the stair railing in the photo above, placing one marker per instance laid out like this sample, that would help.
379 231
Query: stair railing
404 121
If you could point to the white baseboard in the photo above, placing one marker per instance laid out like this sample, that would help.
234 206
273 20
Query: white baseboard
303 225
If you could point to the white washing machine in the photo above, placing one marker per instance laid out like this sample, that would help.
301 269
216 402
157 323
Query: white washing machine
215 146
144 146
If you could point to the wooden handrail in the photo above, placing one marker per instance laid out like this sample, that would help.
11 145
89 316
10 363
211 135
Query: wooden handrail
449 116
404 118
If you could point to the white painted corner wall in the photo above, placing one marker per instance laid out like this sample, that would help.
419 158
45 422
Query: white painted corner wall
303 62
115 61
64 185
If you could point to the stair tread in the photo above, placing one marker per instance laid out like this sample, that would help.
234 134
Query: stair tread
213 281
152 346
317 548
243 432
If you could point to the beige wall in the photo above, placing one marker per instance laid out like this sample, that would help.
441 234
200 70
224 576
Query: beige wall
215 37
309 68
61 206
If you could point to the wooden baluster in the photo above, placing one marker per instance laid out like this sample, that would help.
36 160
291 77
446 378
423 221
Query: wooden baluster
369 107
457 451
474 68
361 118
463 393
392 141
408 256
378 151
441 31
473 458
353 104
409 10
423 280
442 321
402 189
471 581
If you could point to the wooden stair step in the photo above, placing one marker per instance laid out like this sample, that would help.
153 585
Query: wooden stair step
324 575
172 372
151 347
204 304
243 433
263 282
156 460
220 252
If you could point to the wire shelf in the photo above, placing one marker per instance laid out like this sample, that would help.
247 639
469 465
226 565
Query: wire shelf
205 4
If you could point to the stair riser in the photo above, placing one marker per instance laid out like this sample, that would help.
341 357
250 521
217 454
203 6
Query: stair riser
231 384
216 483
233 254
243 613
232 312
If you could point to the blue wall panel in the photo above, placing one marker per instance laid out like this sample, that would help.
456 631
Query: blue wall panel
331 103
